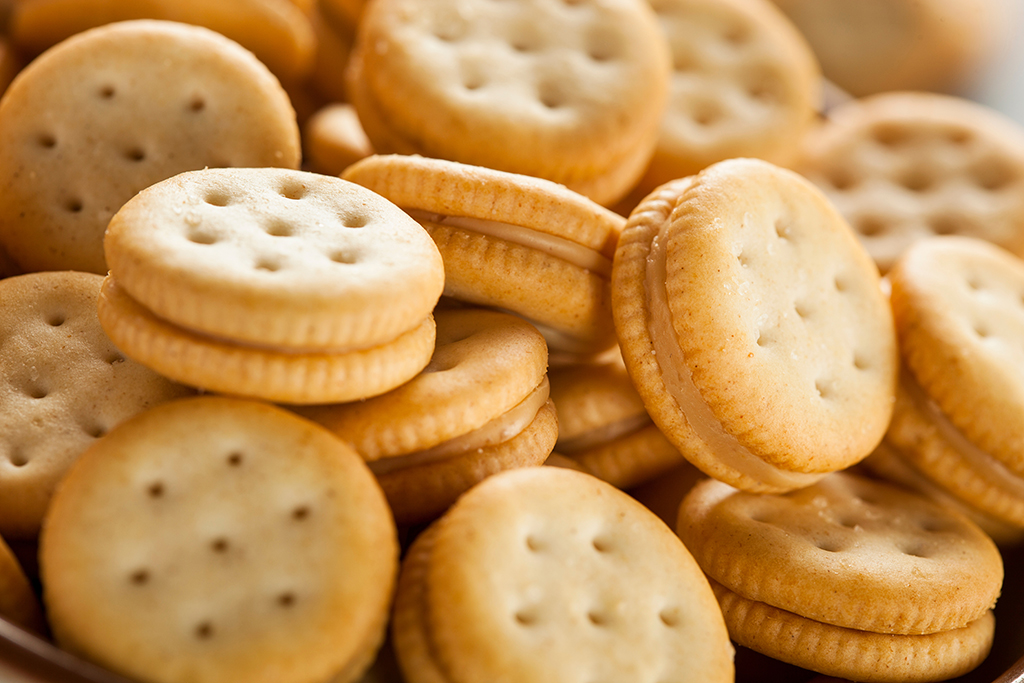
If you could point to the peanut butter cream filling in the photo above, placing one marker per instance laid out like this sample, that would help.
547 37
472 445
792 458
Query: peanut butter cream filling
983 463
499 430
603 434
558 247
679 383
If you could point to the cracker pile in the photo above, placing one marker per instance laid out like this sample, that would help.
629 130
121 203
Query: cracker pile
394 341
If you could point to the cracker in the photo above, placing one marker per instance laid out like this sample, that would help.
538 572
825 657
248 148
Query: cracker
905 166
480 406
774 312
744 83
276 31
570 92
275 258
115 109
18 601
869 556
334 140
485 595
65 385
872 46
509 241
217 539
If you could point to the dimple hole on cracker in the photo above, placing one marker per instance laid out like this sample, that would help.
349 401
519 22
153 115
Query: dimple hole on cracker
948 225
106 92
783 229
525 617
860 362
841 179
267 265
55 319
706 114
294 191
234 459
533 544
839 283
217 198
286 599
737 34
196 104
219 545
135 154
597 618
47 141
155 490
343 257
17 459
670 616
601 544
869 226
280 228
200 237
802 309
761 91
74 205
300 513
36 390
917 180
139 577
824 388
981 330
828 545
355 221
95 430
551 95
204 630
473 80
992 176
682 62
889 135
602 47
915 550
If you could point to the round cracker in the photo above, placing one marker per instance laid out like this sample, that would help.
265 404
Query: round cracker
959 314
578 87
113 110
496 599
744 84
906 166
276 258
65 385
772 308
484 364
847 551
216 539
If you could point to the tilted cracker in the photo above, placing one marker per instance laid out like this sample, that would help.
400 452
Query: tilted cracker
480 406
113 110
753 326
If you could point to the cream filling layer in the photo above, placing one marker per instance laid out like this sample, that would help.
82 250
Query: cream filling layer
603 434
679 384
982 462
499 430
558 247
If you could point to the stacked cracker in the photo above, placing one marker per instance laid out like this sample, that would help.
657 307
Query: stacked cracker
756 342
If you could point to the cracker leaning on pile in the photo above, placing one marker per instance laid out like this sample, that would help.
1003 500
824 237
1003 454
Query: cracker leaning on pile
283 421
